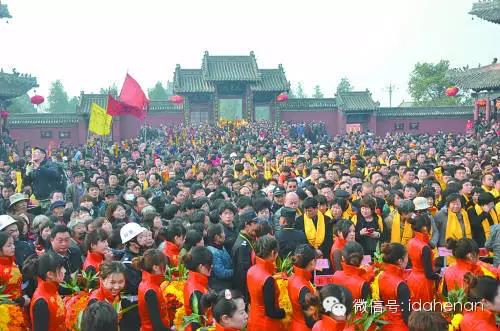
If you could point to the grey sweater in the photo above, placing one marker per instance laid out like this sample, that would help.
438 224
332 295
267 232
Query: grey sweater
493 243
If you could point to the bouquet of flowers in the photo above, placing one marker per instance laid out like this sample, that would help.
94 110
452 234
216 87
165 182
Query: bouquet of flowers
284 268
173 291
456 298
77 302
11 315
368 318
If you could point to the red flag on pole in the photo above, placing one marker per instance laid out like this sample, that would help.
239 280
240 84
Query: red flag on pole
132 100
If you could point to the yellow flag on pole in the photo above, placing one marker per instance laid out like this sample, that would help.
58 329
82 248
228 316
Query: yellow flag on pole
100 121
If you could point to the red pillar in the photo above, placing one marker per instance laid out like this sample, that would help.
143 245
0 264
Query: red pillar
488 109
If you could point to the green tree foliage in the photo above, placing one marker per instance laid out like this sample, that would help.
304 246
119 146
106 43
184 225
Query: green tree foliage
158 92
73 104
428 83
300 91
21 104
317 92
344 85
113 90
58 98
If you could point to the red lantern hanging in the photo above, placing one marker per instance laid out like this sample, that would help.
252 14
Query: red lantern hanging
481 102
37 99
282 97
451 91
177 99
4 114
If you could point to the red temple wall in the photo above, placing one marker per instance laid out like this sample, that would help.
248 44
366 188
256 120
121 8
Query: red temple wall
425 125
129 126
33 136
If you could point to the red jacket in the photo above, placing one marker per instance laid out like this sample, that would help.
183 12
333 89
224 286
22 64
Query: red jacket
101 294
301 278
483 320
172 251
421 288
389 280
256 278
195 282
10 277
219 327
454 275
48 291
338 245
151 282
94 260
351 277
328 323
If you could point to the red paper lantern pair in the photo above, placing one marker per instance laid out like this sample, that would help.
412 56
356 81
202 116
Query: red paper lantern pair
177 99
481 102
282 97
37 99
451 91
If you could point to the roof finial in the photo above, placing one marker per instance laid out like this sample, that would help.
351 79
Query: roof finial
206 53
495 60
177 66
252 54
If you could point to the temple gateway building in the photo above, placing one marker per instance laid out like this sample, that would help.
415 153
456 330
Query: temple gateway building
235 88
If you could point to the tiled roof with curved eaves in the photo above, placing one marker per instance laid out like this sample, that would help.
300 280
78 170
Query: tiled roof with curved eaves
428 112
356 101
271 80
49 120
488 10
313 104
482 78
191 81
227 68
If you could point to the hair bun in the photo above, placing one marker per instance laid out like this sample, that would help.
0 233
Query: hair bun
451 243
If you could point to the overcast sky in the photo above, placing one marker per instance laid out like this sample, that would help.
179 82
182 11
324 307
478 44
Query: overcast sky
91 44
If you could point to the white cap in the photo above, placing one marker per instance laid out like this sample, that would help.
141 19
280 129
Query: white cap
5 221
233 155
421 203
129 231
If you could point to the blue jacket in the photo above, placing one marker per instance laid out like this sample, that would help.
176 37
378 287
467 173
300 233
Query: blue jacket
222 269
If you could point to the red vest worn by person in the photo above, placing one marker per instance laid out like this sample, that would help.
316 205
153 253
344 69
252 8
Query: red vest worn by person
219 327
483 320
101 294
300 278
94 260
389 280
48 291
10 277
328 323
352 278
195 282
172 251
338 245
151 282
454 275
421 288
256 278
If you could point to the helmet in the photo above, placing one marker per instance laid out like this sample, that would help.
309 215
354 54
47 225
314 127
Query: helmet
129 231
5 221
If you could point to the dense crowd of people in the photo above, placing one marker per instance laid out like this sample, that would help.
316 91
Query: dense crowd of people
392 220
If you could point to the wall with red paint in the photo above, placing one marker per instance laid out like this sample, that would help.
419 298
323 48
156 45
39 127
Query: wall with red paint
426 125
32 136
129 126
